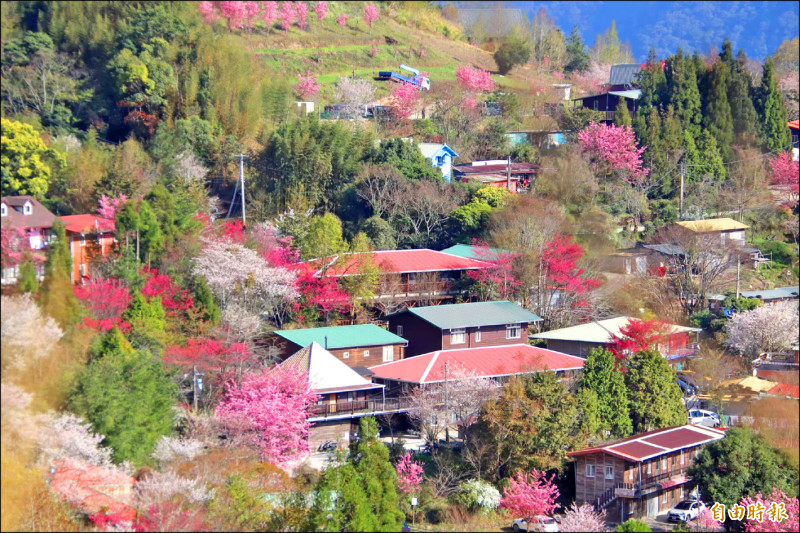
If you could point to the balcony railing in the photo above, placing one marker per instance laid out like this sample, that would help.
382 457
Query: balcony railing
357 407
634 490
415 289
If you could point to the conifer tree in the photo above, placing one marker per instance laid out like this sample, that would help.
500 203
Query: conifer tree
601 375
622 117
682 91
718 110
772 112
652 82
56 290
28 281
577 57
653 392
702 158
743 113
147 320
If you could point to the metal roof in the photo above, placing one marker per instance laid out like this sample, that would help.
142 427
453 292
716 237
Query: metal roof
326 373
398 262
654 443
666 249
472 314
40 216
633 94
764 294
712 224
599 332
623 74
490 361
429 150
335 337
468 251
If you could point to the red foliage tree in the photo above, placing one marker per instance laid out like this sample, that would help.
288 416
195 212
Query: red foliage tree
613 149
105 299
232 230
498 280
173 297
785 172
270 410
560 257
530 494
640 335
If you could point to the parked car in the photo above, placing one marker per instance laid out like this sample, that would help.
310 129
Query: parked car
685 511
537 523
701 417
686 387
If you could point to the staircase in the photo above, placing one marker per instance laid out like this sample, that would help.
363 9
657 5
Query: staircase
605 499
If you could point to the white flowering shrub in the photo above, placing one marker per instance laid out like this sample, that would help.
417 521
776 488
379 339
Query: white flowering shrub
170 448
27 334
67 435
159 488
477 495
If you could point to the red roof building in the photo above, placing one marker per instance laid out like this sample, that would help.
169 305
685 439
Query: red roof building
642 475
93 489
408 277
91 238
785 389
488 362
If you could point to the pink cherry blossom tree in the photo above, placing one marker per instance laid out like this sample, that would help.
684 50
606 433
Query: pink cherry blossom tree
530 494
108 210
287 15
209 11
269 411
250 12
496 281
613 149
583 518
341 20
307 87
371 15
475 79
269 11
409 474
773 523
301 9
404 100
234 12
785 173
321 10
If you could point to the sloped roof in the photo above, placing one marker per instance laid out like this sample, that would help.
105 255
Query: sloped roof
40 216
93 488
87 223
468 251
793 124
472 314
430 150
666 249
599 331
516 168
711 224
785 389
326 373
399 261
335 337
623 74
490 361
644 446
633 94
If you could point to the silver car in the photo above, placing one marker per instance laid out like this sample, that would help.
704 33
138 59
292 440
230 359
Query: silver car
537 523
701 417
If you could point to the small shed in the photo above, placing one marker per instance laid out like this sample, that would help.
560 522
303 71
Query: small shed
441 156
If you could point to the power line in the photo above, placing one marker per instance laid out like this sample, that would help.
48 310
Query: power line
749 159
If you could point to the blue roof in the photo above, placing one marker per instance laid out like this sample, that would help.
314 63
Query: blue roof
334 337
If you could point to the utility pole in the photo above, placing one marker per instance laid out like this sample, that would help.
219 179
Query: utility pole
508 174
241 180
738 274
683 173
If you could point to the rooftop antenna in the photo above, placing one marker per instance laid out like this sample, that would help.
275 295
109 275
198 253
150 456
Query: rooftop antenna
241 180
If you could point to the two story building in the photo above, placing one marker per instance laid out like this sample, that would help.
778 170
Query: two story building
456 326
360 345
29 223
91 238
441 156
642 475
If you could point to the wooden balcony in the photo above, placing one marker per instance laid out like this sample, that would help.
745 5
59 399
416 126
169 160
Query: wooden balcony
419 289
649 483
356 408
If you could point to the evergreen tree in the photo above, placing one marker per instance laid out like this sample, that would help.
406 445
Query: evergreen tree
577 56
147 320
27 279
205 302
682 91
743 113
772 112
702 158
56 290
652 82
150 235
127 396
622 117
361 494
601 376
655 398
718 111
703 76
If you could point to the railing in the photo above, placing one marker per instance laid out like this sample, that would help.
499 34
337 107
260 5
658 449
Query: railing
422 288
633 490
605 499
357 407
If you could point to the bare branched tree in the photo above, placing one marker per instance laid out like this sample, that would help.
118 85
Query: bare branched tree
354 94
378 186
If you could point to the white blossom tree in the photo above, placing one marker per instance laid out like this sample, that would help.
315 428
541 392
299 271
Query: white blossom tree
771 328
156 488
171 448
67 435
27 334
583 518
354 94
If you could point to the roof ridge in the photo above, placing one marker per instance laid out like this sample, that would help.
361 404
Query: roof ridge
430 366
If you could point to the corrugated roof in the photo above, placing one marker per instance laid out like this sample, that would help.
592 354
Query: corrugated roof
86 223
654 443
785 389
326 373
431 149
516 168
40 216
342 336
772 294
473 314
399 262
599 332
491 361
666 249
623 74
793 124
711 224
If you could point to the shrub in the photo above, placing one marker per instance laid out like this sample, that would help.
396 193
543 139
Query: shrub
477 495
781 252
437 513
633 526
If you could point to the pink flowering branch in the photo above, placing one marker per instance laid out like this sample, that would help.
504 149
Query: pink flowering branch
301 8
287 15
778 513
409 474
341 20
308 86
530 494
613 149
321 11
269 12
404 100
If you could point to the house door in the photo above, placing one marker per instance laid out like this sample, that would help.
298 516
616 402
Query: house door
641 265
652 505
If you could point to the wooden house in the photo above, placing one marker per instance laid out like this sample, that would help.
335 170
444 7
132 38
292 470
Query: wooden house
727 229
640 476
33 222
456 326
360 345
441 156
498 173
608 102
408 277
91 238
767 296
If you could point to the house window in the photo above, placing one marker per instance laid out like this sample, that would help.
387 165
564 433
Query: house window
388 354
664 497
350 397
589 470
366 353
609 472
3 210
478 336
320 400
683 493
513 331
83 240
27 209
682 463
400 331
664 463
83 270
346 355
458 336
649 468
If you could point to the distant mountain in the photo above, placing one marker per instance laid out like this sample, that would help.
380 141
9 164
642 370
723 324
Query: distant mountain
757 27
